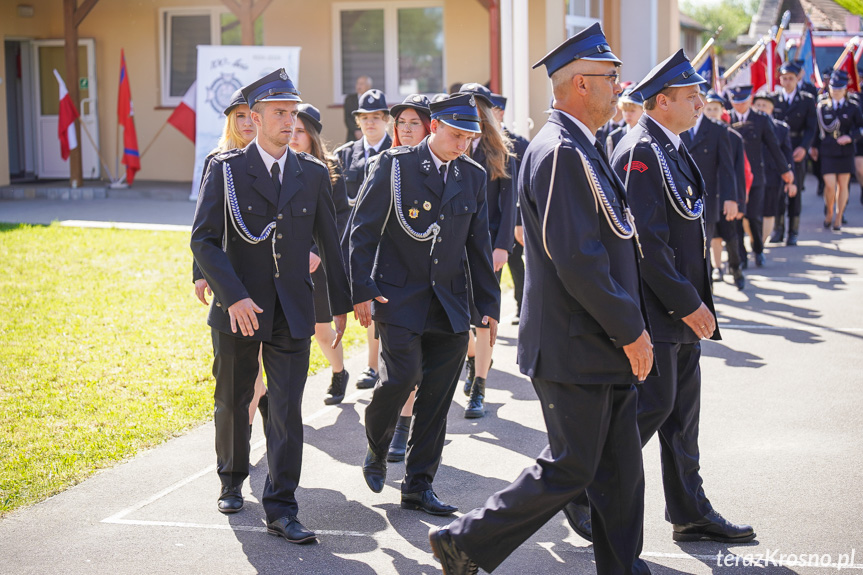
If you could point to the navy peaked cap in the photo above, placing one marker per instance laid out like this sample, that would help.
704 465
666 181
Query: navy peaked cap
589 44
274 87
673 72
458 111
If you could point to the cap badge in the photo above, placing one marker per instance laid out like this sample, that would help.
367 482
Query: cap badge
283 75
414 213
418 98
427 206
372 98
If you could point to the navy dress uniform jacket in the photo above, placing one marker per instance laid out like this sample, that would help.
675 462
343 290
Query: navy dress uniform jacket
303 213
850 124
759 137
799 115
739 155
583 303
783 136
711 150
385 261
352 160
674 267
501 198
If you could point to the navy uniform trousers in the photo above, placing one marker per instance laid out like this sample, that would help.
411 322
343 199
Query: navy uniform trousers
581 419
431 360
235 367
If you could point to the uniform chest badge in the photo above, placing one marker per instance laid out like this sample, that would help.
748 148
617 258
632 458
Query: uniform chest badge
413 213
426 165
455 170
427 206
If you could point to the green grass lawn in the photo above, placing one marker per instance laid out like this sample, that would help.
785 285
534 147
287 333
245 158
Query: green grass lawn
104 350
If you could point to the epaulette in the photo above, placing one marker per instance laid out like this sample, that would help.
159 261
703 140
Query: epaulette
397 150
471 161
343 147
616 130
228 154
781 123
310 158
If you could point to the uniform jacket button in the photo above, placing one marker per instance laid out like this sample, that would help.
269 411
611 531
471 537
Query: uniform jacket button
280 216
249 208
278 256
304 210
278 236
277 274
433 283
218 304
441 216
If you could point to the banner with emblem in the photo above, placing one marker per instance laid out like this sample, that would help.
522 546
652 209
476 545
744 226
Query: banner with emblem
222 70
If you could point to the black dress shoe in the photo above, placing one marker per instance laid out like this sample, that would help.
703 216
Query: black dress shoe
368 379
399 443
578 516
291 529
375 471
427 501
713 527
475 407
338 386
453 560
231 498
760 260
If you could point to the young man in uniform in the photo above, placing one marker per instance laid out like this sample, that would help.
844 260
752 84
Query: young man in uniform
279 204
421 210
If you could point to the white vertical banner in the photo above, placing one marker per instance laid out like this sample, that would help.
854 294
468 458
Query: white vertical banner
222 70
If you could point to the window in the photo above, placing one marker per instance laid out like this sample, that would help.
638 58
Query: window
398 44
580 14
182 31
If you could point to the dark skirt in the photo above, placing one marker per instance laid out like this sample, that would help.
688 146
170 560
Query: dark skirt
837 164
772 197
322 296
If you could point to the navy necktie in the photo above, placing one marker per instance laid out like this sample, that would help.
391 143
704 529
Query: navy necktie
442 170
274 172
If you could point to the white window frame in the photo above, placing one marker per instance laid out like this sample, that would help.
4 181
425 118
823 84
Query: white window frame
391 43
214 13
573 20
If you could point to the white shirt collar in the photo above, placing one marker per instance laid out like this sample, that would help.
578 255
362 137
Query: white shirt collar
270 160
474 144
697 123
591 137
789 96
437 161
838 103
376 148
675 139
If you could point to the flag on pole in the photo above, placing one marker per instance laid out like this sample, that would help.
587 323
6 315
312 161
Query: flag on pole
806 53
66 125
126 118
183 116
850 66
764 69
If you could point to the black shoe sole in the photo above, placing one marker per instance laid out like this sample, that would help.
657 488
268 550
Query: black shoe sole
395 458
370 485
335 400
683 537
410 505
366 385
295 541
230 511
586 535
474 414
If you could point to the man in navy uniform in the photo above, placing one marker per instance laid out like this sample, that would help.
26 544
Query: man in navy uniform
709 144
279 204
582 336
775 190
668 200
421 210
759 138
795 107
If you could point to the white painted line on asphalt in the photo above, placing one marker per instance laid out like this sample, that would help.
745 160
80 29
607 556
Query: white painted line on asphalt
744 326
742 559
831 278
125 226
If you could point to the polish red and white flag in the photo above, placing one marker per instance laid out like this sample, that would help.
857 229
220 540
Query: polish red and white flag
183 116
66 125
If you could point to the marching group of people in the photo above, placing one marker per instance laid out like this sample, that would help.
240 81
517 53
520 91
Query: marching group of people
411 232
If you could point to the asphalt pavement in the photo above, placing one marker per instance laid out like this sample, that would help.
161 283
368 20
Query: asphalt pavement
781 440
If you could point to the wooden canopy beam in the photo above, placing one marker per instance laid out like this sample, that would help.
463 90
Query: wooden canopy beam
247 11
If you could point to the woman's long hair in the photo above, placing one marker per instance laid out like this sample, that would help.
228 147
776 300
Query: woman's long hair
494 143
424 118
320 151
231 137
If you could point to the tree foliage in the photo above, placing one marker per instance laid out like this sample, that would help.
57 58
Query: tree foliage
733 15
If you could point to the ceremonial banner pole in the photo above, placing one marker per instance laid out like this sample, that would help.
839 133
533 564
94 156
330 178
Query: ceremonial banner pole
736 66
707 45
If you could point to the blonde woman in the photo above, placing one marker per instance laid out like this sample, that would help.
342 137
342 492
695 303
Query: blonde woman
493 151
237 133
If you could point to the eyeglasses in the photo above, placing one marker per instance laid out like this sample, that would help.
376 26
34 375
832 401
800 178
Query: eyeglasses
408 126
614 76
